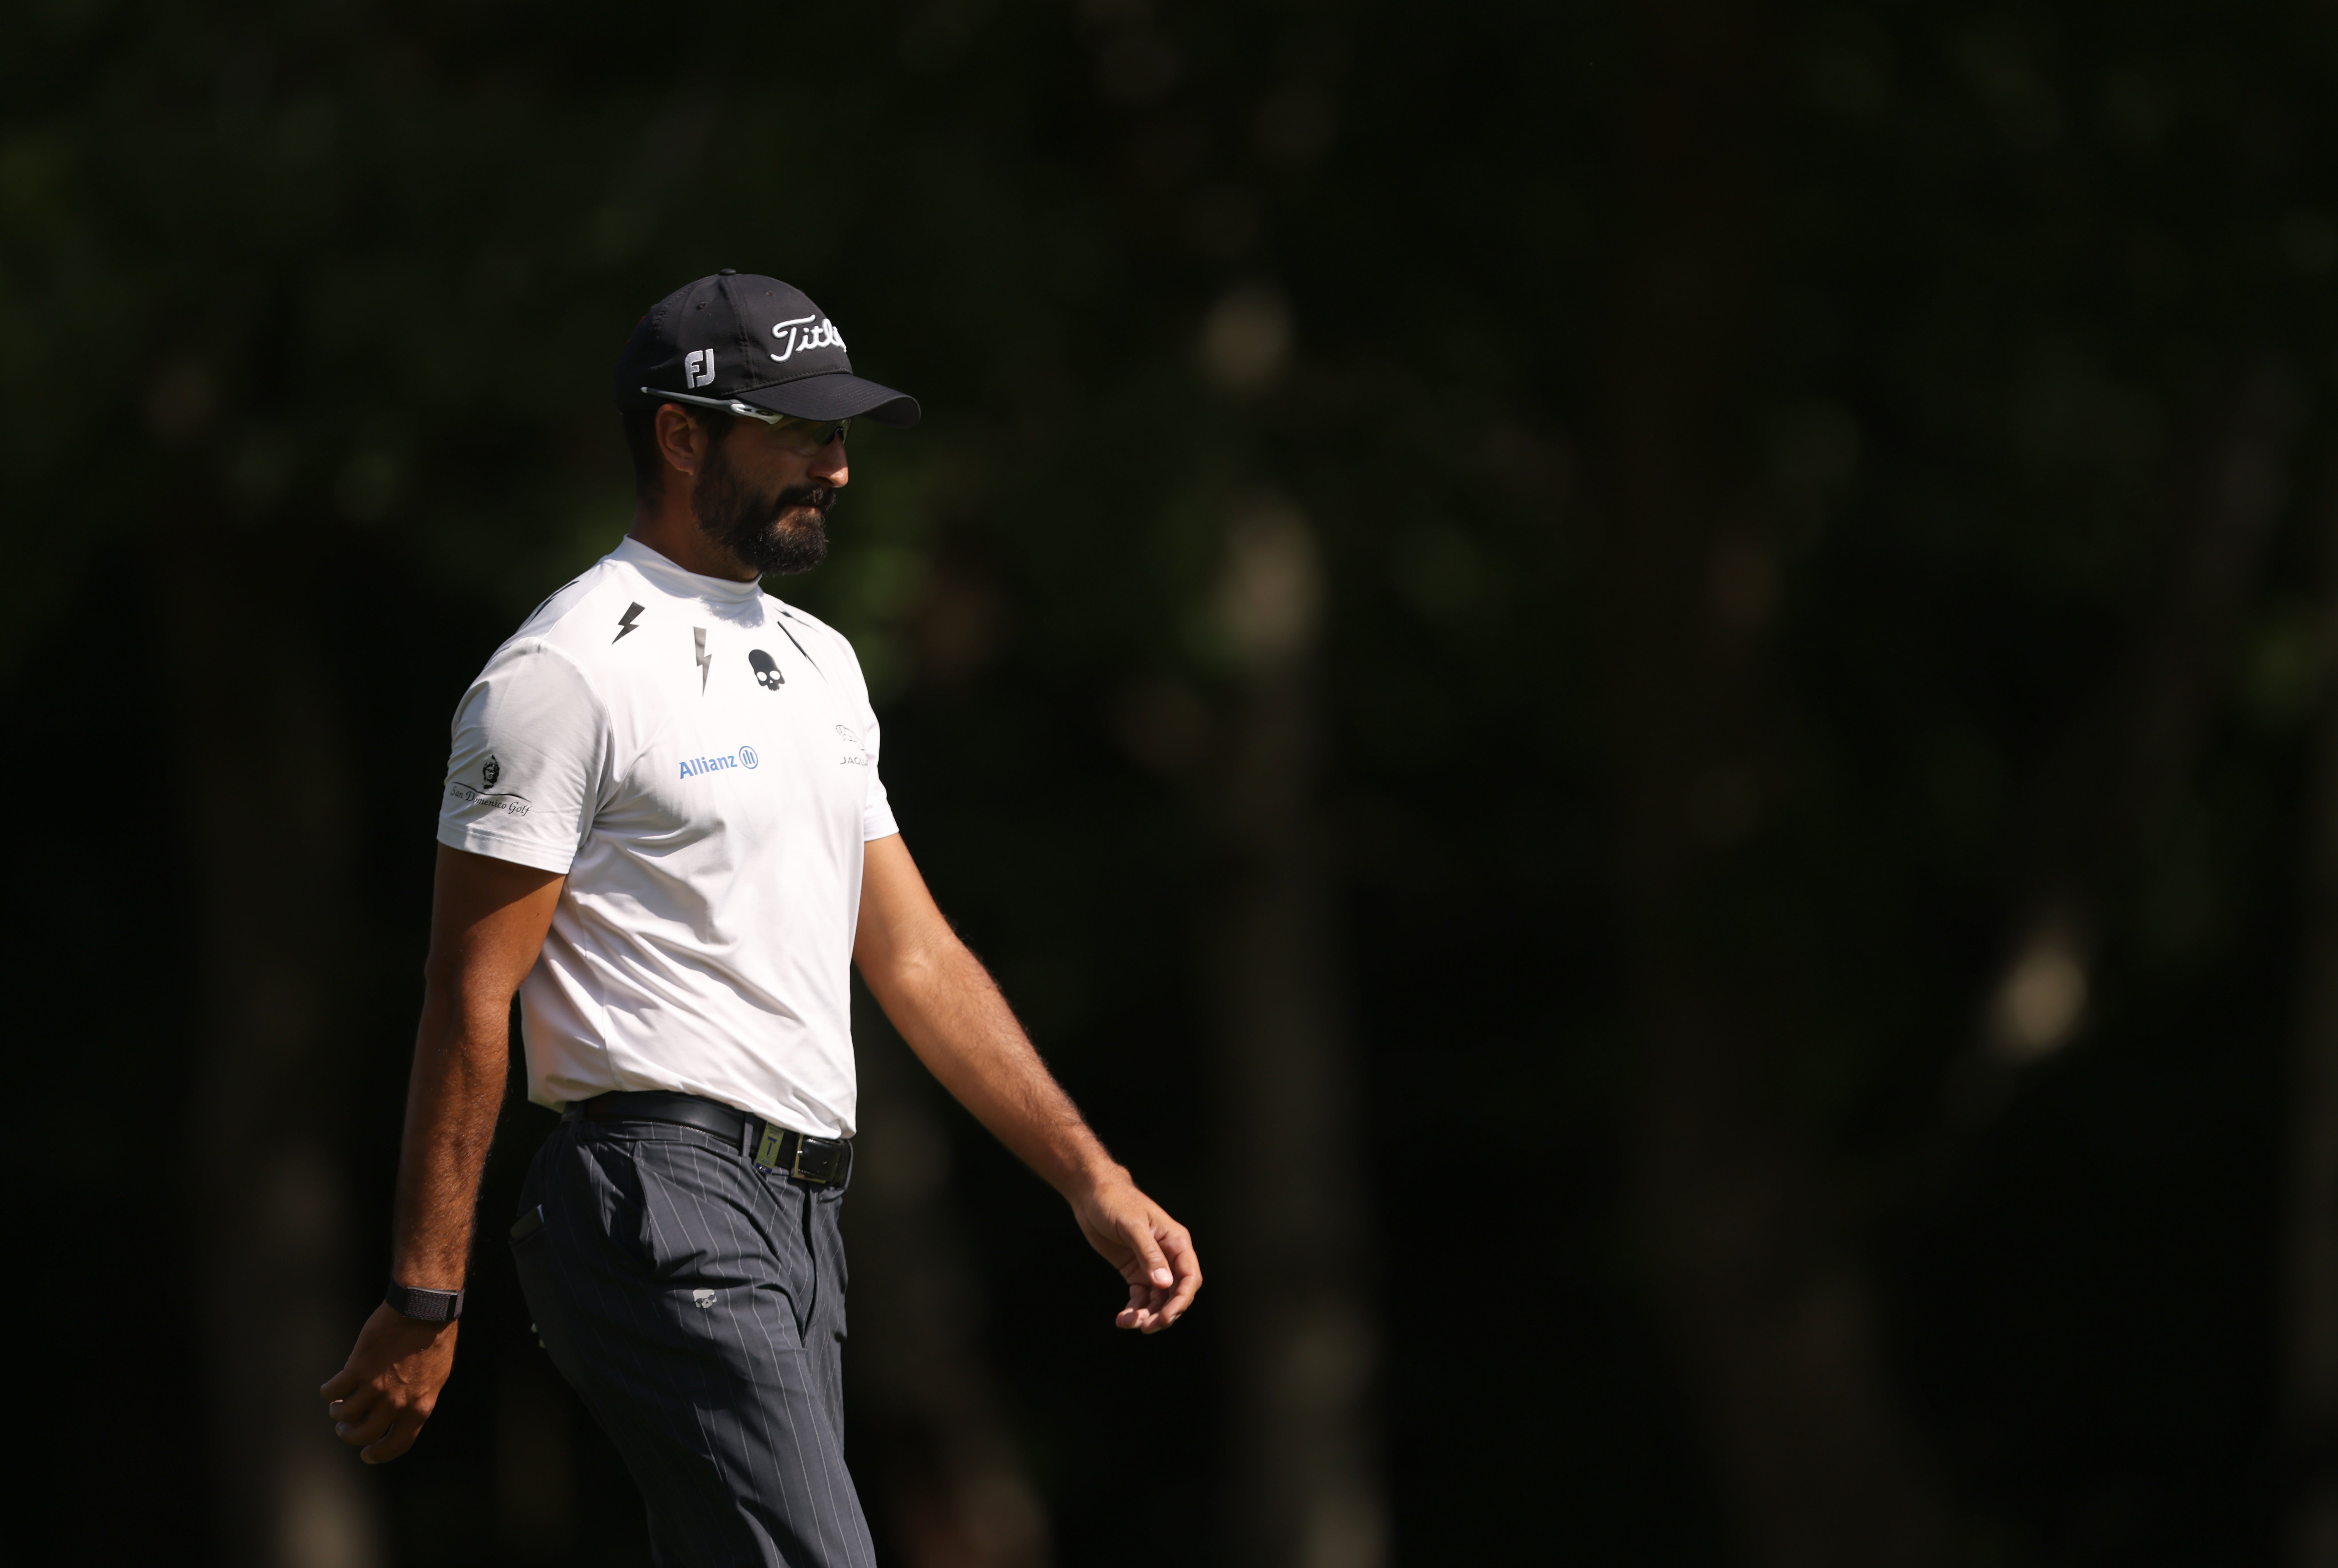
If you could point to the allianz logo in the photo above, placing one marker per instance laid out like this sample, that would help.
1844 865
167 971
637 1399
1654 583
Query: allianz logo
799 333
693 767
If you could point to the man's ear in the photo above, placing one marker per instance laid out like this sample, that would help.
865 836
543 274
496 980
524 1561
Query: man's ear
681 439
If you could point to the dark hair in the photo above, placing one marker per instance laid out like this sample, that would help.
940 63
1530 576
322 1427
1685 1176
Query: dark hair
641 440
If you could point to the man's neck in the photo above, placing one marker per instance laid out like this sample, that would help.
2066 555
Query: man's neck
668 526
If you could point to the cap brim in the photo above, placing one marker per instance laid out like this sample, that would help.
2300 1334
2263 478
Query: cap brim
836 395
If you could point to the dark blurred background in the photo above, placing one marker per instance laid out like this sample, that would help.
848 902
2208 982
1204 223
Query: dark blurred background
1638 695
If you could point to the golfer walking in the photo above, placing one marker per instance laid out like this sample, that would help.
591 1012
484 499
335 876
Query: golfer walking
663 828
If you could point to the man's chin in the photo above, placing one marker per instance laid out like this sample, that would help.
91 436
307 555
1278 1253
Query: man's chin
796 541
800 532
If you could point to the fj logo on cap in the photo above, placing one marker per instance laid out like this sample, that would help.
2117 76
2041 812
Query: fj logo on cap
700 363
801 334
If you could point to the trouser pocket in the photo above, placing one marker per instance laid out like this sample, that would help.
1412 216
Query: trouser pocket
533 1255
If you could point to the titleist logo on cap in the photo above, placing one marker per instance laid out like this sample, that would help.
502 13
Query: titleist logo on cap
797 334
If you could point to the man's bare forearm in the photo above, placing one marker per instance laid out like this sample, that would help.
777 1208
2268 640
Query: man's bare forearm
452 1101
487 921
950 1011
946 1007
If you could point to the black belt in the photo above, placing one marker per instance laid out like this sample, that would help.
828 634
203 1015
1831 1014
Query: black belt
819 1161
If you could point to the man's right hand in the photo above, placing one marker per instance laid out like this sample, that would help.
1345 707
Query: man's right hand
379 1399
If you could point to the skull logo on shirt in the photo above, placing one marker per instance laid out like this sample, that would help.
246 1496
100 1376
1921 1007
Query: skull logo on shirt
767 673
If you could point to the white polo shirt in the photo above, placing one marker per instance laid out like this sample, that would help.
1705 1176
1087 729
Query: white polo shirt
701 760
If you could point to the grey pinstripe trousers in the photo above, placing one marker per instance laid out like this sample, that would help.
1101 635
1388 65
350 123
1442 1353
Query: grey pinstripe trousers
697 1304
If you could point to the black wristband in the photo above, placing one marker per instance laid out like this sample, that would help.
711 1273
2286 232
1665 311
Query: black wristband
424 1305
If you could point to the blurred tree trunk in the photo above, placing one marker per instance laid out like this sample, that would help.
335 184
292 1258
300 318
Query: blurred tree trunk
271 820
2311 1370
949 1487
2142 759
1770 1314
1295 1286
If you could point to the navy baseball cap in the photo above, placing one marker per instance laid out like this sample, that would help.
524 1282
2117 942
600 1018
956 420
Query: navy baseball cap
737 336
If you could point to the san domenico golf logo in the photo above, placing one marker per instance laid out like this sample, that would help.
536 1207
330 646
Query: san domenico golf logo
510 801
691 767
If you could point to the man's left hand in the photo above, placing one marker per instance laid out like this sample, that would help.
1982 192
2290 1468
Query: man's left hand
1152 1252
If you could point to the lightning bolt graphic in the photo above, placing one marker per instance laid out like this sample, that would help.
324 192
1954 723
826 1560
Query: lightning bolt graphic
625 623
706 660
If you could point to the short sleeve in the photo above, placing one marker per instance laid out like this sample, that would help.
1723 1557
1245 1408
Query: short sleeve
877 811
530 748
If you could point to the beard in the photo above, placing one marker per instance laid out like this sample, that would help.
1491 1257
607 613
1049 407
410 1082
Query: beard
777 534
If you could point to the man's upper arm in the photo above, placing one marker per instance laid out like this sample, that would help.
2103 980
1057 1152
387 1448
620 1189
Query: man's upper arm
489 917
900 922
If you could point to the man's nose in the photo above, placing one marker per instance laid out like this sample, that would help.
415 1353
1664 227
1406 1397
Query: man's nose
831 467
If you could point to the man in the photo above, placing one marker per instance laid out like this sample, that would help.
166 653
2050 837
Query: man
663 828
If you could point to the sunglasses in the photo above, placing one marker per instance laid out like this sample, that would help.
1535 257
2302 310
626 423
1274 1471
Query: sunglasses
807 438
